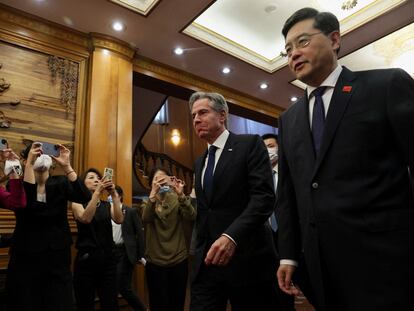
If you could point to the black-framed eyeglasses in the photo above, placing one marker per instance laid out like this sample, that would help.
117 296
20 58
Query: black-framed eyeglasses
299 42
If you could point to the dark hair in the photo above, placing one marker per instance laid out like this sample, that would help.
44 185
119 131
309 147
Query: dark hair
25 152
90 170
270 135
324 21
155 170
120 192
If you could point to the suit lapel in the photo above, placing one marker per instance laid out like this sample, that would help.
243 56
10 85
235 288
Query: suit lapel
339 102
304 129
224 161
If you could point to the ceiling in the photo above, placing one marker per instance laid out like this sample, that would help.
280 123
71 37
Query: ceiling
243 23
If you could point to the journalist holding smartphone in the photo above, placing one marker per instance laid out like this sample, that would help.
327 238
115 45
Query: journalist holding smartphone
166 250
95 263
39 276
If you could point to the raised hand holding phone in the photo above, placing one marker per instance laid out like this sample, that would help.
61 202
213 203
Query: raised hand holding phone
50 149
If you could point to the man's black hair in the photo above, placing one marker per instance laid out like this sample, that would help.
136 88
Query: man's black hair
324 21
270 135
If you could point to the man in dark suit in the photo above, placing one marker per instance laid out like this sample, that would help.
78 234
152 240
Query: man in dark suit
234 254
129 249
285 302
346 151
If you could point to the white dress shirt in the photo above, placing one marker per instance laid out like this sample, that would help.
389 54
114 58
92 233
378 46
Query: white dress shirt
117 232
220 142
330 83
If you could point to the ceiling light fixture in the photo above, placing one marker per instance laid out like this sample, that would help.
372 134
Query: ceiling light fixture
226 70
118 26
264 86
178 51
270 8
293 99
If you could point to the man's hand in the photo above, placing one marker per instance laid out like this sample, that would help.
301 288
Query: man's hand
284 278
221 252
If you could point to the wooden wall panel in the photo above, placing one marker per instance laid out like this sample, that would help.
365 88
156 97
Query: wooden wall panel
110 117
41 114
124 129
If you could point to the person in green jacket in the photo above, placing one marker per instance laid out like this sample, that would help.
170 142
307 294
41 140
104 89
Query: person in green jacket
166 253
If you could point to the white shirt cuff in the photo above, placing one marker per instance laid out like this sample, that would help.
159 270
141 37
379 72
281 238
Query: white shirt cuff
288 262
226 235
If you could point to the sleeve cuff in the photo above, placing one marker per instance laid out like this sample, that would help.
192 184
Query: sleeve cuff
289 262
226 235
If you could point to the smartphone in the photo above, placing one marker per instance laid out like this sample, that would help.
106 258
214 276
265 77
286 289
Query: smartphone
3 144
50 149
108 173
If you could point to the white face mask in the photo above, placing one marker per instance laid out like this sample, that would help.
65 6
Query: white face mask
42 163
13 166
272 154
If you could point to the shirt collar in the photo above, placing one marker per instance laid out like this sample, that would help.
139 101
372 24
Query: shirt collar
221 140
330 81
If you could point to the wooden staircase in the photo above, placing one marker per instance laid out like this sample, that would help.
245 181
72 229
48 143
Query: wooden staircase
145 161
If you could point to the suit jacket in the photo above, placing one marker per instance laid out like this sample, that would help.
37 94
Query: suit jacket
241 204
351 209
132 234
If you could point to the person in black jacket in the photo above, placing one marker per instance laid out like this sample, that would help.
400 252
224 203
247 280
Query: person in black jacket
38 276
346 162
95 263
129 249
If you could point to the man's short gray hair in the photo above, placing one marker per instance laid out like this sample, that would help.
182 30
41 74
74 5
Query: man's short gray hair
217 101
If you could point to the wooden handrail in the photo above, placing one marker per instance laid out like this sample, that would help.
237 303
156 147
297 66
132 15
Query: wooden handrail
145 161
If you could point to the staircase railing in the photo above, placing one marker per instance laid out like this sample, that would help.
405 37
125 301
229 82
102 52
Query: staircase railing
146 160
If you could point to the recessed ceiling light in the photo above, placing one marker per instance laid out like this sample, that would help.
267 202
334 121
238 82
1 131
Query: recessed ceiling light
264 86
67 20
270 8
118 26
178 51
225 70
293 99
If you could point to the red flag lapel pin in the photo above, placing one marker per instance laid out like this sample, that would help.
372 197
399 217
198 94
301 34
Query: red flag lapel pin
347 89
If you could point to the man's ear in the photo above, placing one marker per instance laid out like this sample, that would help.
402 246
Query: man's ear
223 116
336 40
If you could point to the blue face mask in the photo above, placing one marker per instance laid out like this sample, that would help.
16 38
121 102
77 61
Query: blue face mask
164 189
